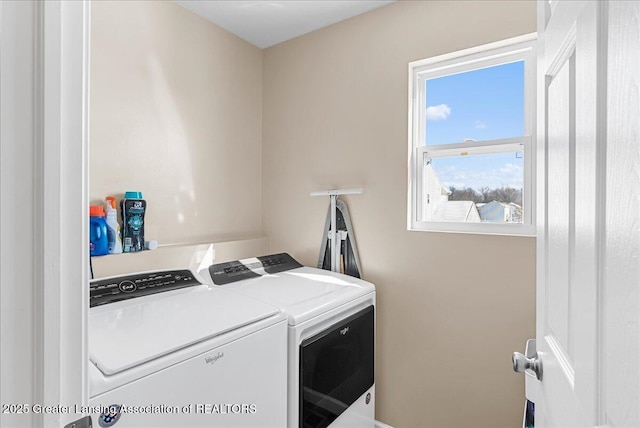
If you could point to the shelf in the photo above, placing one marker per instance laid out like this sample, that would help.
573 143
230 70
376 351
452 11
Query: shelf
178 256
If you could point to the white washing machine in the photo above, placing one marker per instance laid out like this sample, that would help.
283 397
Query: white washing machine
168 351
331 321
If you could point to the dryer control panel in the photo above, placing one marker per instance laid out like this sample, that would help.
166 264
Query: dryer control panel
226 273
137 285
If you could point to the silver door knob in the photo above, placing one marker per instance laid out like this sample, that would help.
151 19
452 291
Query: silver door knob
531 361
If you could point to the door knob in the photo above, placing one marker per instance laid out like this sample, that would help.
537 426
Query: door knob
531 361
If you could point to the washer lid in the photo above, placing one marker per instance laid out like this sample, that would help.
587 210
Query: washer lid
128 333
303 293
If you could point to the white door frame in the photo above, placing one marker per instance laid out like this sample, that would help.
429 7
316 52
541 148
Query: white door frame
65 138
44 258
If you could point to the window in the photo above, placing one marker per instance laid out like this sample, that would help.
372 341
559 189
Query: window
471 145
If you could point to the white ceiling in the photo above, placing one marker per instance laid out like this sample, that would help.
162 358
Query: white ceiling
266 23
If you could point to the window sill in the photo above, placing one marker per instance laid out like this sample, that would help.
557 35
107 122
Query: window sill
512 229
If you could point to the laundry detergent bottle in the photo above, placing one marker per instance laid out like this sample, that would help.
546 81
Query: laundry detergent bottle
133 210
98 240
113 227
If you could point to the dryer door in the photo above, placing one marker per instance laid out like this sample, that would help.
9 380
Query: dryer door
336 368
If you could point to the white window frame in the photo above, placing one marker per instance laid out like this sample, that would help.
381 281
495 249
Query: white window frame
520 48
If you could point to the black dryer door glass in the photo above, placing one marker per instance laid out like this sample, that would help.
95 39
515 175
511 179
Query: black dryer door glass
336 368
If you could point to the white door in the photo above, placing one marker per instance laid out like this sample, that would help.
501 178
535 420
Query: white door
588 258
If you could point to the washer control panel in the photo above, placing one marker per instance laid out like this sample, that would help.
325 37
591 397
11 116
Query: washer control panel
137 285
226 273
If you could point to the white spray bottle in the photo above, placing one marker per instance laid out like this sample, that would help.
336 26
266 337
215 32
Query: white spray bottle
113 228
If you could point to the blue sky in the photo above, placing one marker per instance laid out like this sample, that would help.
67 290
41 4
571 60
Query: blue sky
482 104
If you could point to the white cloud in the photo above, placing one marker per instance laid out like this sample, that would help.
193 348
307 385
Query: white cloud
439 112
478 124
510 168
509 175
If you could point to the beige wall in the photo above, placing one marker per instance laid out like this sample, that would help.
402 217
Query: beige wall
176 113
451 307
